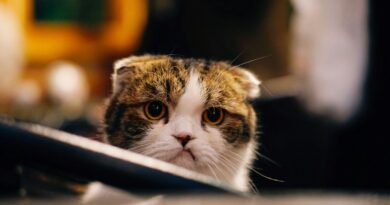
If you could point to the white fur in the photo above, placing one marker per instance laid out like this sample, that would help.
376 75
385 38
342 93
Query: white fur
213 155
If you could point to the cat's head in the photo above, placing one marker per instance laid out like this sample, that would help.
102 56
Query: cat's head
192 113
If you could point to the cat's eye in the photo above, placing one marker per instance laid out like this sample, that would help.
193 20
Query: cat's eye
155 110
213 116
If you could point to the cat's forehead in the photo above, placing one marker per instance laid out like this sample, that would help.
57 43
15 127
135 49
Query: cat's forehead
166 79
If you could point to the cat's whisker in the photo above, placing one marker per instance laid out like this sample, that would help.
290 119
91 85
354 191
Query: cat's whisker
236 155
150 150
227 165
253 186
267 158
250 61
259 132
162 156
239 158
212 171
242 52
227 161
230 170
258 172
146 143
140 146
233 160
265 176
226 174
155 151
267 90
218 169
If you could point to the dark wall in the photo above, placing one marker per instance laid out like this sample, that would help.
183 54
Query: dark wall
221 30
309 151
314 152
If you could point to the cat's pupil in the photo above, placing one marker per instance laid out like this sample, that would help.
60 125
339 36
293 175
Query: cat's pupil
213 114
155 108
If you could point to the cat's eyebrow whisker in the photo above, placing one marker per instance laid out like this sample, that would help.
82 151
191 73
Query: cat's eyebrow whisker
250 61
232 61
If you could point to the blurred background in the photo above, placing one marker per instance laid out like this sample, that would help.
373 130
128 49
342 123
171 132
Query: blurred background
322 65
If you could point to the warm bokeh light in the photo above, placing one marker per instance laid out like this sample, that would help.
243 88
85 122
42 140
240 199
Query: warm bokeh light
68 86
322 110
59 59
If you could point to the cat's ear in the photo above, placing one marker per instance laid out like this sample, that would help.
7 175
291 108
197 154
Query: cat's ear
124 70
249 82
129 68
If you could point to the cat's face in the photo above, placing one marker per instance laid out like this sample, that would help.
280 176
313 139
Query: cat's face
191 113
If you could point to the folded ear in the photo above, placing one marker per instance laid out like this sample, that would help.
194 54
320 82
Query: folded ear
124 69
130 68
248 81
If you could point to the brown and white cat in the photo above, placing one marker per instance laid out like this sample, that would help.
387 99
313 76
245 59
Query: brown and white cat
190 112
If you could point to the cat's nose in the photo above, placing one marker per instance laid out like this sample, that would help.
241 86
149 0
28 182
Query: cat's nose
183 138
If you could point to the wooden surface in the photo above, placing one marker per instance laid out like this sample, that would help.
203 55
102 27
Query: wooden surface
278 199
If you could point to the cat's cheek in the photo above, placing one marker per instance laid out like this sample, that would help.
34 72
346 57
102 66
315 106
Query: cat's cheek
145 143
205 154
156 131
216 139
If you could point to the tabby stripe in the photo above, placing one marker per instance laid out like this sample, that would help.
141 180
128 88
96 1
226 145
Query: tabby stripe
208 99
151 88
207 66
237 135
168 89
174 66
114 115
109 113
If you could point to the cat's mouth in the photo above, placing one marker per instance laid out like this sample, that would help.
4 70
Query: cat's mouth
187 152
183 156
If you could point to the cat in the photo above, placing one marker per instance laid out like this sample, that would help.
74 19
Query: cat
190 112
